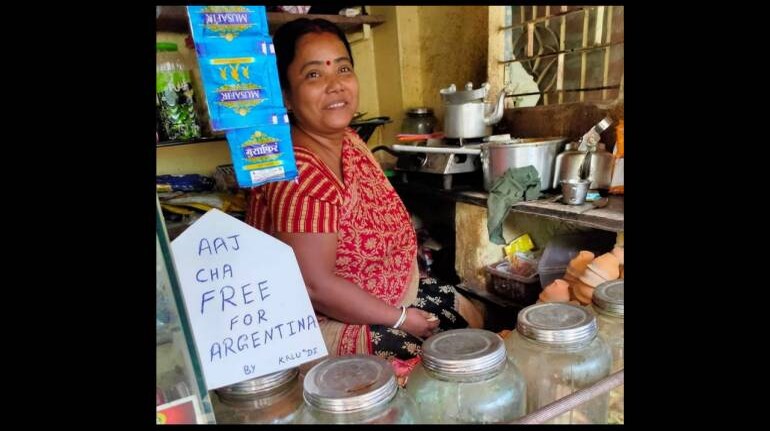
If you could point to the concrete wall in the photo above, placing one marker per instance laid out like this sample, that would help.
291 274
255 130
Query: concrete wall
368 94
421 49
453 49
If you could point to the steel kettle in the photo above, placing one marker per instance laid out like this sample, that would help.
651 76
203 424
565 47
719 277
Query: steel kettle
568 163
466 114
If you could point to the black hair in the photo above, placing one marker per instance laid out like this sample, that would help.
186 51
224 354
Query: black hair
286 37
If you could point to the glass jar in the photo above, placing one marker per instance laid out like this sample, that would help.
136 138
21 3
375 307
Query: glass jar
555 345
607 305
180 390
419 121
160 130
272 399
466 377
174 89
355 389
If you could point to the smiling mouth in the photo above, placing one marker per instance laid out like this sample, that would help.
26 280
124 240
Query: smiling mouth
337 105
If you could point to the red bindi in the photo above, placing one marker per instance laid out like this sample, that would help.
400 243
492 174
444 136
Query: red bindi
328 62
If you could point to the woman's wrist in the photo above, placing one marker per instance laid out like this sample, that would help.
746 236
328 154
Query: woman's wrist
401 318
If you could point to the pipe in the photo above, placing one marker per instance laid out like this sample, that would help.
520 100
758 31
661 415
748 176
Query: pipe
572 400
441 150
386 149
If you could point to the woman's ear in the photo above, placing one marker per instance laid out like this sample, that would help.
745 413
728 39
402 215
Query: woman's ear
286 99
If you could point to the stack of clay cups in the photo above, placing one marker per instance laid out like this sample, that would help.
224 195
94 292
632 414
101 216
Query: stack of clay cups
558 291
619 252
604 268
576 268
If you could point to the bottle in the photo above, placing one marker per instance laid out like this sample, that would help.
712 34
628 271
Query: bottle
556 347
175 94
419 121
355 389
272 399
466 377
160 131
607 305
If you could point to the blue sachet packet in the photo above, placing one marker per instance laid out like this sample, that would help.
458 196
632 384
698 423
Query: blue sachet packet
263 153
245 46
236 86
227 23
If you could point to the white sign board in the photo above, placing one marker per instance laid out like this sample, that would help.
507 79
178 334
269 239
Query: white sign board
246 300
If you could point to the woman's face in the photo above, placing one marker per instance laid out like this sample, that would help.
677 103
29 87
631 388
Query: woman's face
323 89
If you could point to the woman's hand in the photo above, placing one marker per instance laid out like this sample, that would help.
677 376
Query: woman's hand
419 323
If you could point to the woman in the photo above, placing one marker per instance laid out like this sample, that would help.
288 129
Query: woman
349 230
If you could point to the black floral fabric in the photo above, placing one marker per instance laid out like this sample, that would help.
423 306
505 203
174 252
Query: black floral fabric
432 296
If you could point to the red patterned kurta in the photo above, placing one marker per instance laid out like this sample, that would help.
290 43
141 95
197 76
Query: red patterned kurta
376 244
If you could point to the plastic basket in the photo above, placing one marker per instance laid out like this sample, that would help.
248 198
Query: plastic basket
563 247
520 289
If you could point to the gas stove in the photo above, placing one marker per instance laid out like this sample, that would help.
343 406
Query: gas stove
439 156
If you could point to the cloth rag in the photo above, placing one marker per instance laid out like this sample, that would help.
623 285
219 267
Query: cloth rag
514 185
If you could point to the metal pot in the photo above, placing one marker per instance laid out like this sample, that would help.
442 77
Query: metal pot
466 115
568 166
574 191
498 157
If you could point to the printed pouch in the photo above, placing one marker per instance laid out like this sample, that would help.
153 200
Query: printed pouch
236 86
227 23
245 46
263 153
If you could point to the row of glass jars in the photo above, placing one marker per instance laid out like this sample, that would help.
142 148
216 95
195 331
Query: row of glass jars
562 348
466 375
607 305
348 389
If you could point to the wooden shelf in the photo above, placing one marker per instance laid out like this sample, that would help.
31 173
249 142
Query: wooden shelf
174 19
609 218
191 141
277 19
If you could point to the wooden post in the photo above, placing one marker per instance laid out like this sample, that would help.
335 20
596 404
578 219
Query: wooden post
560 68
365 34
530 39
497 77
583 54
607 52
545 96
599 25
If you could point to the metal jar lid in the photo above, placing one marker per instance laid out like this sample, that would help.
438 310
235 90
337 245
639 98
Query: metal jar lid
556 323
608 298
463 353
350 383
452 96
419 111
254 387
